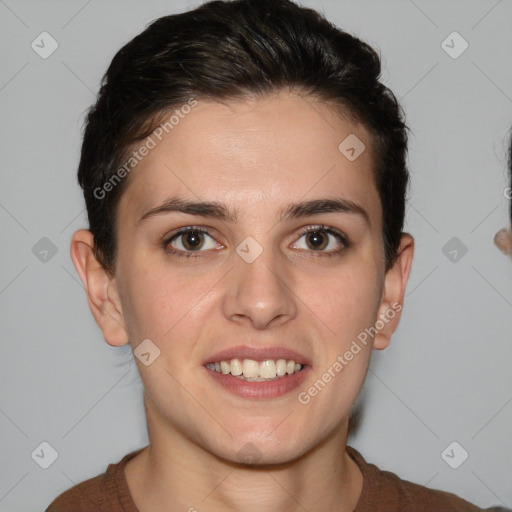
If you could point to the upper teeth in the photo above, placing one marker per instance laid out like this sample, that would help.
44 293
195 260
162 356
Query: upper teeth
251 369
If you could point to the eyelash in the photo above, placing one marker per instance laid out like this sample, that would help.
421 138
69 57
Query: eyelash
194 254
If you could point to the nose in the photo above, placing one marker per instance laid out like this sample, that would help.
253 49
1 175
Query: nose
260 292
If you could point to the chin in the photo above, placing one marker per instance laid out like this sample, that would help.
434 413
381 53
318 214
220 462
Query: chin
257 448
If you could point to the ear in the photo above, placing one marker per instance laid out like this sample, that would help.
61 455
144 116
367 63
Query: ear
393 293
503 241
100 287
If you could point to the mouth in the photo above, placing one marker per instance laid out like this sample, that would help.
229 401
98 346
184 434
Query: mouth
251 370
258 373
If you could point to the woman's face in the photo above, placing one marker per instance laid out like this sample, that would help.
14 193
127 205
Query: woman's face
248 282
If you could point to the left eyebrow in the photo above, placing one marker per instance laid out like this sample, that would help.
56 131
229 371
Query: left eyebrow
319 206
220 211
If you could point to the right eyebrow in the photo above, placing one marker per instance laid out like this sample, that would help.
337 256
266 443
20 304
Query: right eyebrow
211 209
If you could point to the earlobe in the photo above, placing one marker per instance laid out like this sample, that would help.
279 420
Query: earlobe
100 288
395 283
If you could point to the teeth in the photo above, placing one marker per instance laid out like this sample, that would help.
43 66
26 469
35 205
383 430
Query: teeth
251 370
236 367
281 367
225 367
268 369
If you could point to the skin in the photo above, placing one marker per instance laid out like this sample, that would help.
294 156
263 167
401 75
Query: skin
256 156
503 241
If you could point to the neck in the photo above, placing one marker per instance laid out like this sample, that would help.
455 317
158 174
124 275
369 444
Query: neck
175 471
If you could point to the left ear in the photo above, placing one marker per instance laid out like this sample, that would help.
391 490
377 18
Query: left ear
393 293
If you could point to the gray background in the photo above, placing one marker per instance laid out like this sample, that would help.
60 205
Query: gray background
447 374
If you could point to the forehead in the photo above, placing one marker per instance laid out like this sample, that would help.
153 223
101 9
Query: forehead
253 153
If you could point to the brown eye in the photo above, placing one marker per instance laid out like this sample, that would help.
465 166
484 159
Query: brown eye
190 240
318 238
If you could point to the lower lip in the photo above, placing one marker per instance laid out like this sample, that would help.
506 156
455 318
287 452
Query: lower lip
260 390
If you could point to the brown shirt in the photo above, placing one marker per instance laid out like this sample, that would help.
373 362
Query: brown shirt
383 491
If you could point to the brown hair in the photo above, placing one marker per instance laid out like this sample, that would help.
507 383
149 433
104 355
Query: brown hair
228 50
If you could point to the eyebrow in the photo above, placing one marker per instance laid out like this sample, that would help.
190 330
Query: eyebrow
217 210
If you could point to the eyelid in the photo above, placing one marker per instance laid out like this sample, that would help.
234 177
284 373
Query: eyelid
327 229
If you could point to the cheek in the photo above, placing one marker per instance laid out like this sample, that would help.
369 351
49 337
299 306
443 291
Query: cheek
346 303
161 299
146 299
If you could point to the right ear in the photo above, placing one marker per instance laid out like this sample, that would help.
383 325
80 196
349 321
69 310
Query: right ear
100 287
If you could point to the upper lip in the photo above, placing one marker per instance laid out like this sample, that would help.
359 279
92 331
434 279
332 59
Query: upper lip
257 354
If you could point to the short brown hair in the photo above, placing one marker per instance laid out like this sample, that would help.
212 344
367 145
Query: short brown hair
228 50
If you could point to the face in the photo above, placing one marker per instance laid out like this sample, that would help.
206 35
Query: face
246 281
